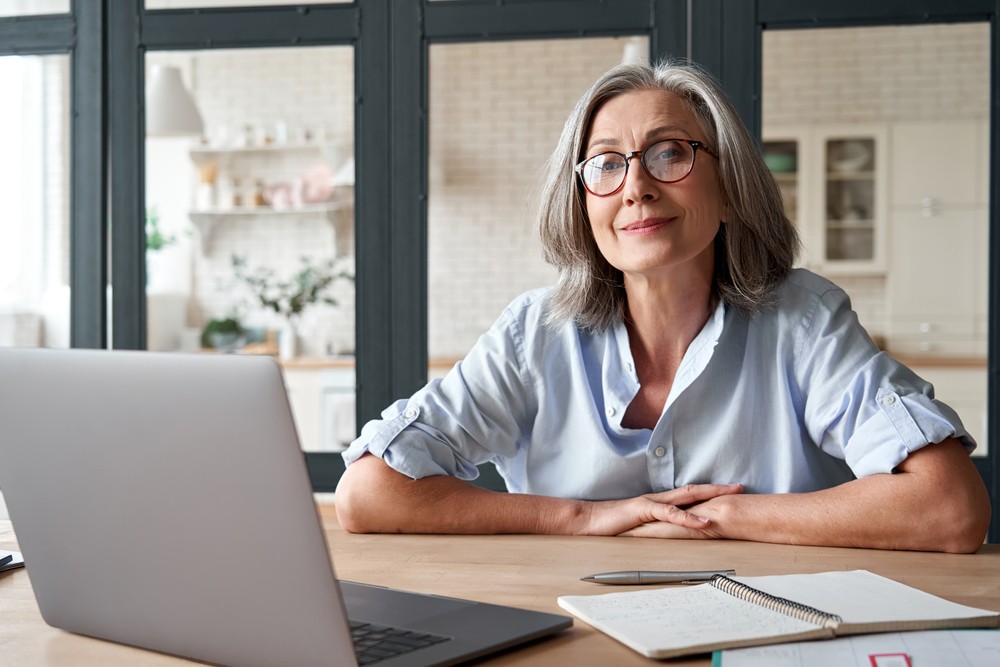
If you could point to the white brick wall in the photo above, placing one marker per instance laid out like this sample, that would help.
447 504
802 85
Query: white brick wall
883 74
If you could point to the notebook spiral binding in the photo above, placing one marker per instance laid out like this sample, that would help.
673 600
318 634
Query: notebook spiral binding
775 603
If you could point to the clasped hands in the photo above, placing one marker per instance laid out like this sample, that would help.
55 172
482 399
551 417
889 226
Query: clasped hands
688 512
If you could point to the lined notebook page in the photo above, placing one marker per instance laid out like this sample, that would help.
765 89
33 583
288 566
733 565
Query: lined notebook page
862 599
691 619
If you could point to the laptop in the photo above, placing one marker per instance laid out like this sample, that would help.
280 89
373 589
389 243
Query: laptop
161 500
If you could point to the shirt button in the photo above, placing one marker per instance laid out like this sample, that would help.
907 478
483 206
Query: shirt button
410 413
610 412
628 366
889 400
659 451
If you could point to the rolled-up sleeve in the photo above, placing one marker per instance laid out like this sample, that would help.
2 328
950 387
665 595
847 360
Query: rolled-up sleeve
860 403
476 413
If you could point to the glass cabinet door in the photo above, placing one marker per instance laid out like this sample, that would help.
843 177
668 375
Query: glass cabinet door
782 158
832 180
850 203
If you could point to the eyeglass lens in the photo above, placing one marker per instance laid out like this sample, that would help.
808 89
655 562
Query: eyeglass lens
666 161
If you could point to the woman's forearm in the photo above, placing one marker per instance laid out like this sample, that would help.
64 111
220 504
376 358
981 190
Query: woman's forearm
374 498
936 501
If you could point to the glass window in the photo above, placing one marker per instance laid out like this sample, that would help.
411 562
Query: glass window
496 112
34 196
250 217
29 7
887 178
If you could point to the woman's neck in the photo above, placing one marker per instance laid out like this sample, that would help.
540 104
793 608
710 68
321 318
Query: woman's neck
663 317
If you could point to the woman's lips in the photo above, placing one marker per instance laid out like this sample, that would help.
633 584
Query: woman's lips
647 226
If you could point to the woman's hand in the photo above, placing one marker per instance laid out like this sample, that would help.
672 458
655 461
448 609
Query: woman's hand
663 511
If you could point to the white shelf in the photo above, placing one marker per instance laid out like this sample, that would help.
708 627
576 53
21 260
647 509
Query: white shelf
206 220
850 175
267 210
850 225
200 151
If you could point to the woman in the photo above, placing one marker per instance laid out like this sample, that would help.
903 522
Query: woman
680 380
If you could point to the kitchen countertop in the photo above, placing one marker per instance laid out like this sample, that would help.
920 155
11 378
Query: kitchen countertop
913 361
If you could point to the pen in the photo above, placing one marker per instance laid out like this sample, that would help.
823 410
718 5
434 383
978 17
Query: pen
653 577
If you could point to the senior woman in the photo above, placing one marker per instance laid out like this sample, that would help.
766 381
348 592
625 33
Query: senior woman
681 379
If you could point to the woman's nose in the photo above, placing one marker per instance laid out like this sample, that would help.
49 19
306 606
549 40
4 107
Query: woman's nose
639 186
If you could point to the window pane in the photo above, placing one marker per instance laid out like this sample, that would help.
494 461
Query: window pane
246 213
179 4
887 178
28 7
496 112
34 195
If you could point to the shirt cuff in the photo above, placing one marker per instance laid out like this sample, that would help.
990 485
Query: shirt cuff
408 447
901 425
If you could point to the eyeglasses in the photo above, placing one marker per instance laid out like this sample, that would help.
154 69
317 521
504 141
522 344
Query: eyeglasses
667 161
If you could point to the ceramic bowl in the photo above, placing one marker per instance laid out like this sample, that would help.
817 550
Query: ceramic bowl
780 163
850 156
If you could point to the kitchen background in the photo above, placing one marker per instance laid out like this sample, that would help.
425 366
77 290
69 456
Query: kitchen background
279 123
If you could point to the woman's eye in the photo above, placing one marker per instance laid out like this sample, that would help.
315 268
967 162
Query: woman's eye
668 154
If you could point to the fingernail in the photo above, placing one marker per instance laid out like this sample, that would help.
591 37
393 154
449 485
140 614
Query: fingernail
701 518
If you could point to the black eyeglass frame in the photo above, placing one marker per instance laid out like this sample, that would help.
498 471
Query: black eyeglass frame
641 154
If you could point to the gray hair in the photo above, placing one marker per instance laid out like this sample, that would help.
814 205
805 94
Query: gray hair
754 249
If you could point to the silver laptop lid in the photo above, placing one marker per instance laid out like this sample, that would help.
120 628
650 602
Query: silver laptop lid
152 496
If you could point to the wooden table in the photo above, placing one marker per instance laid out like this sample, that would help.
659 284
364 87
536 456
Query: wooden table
520 570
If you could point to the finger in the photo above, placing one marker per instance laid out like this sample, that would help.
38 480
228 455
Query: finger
679 517
694 493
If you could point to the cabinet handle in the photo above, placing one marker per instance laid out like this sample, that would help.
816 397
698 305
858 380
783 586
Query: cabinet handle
928 207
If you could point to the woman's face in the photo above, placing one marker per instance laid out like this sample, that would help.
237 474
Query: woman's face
649 229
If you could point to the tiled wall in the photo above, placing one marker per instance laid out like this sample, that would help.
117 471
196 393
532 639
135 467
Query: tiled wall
884 74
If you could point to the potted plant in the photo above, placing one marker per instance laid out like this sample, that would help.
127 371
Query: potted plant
289 297
222 334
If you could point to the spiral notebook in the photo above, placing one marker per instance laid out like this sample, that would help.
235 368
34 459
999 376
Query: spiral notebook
731 612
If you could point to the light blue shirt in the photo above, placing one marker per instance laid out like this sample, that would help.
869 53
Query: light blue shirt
792 399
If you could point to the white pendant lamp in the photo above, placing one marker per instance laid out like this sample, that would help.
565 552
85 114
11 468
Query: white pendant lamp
170 109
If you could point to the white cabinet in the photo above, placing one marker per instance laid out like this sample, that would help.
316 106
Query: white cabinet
323 404
935 164
964 389
936 288
834 182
